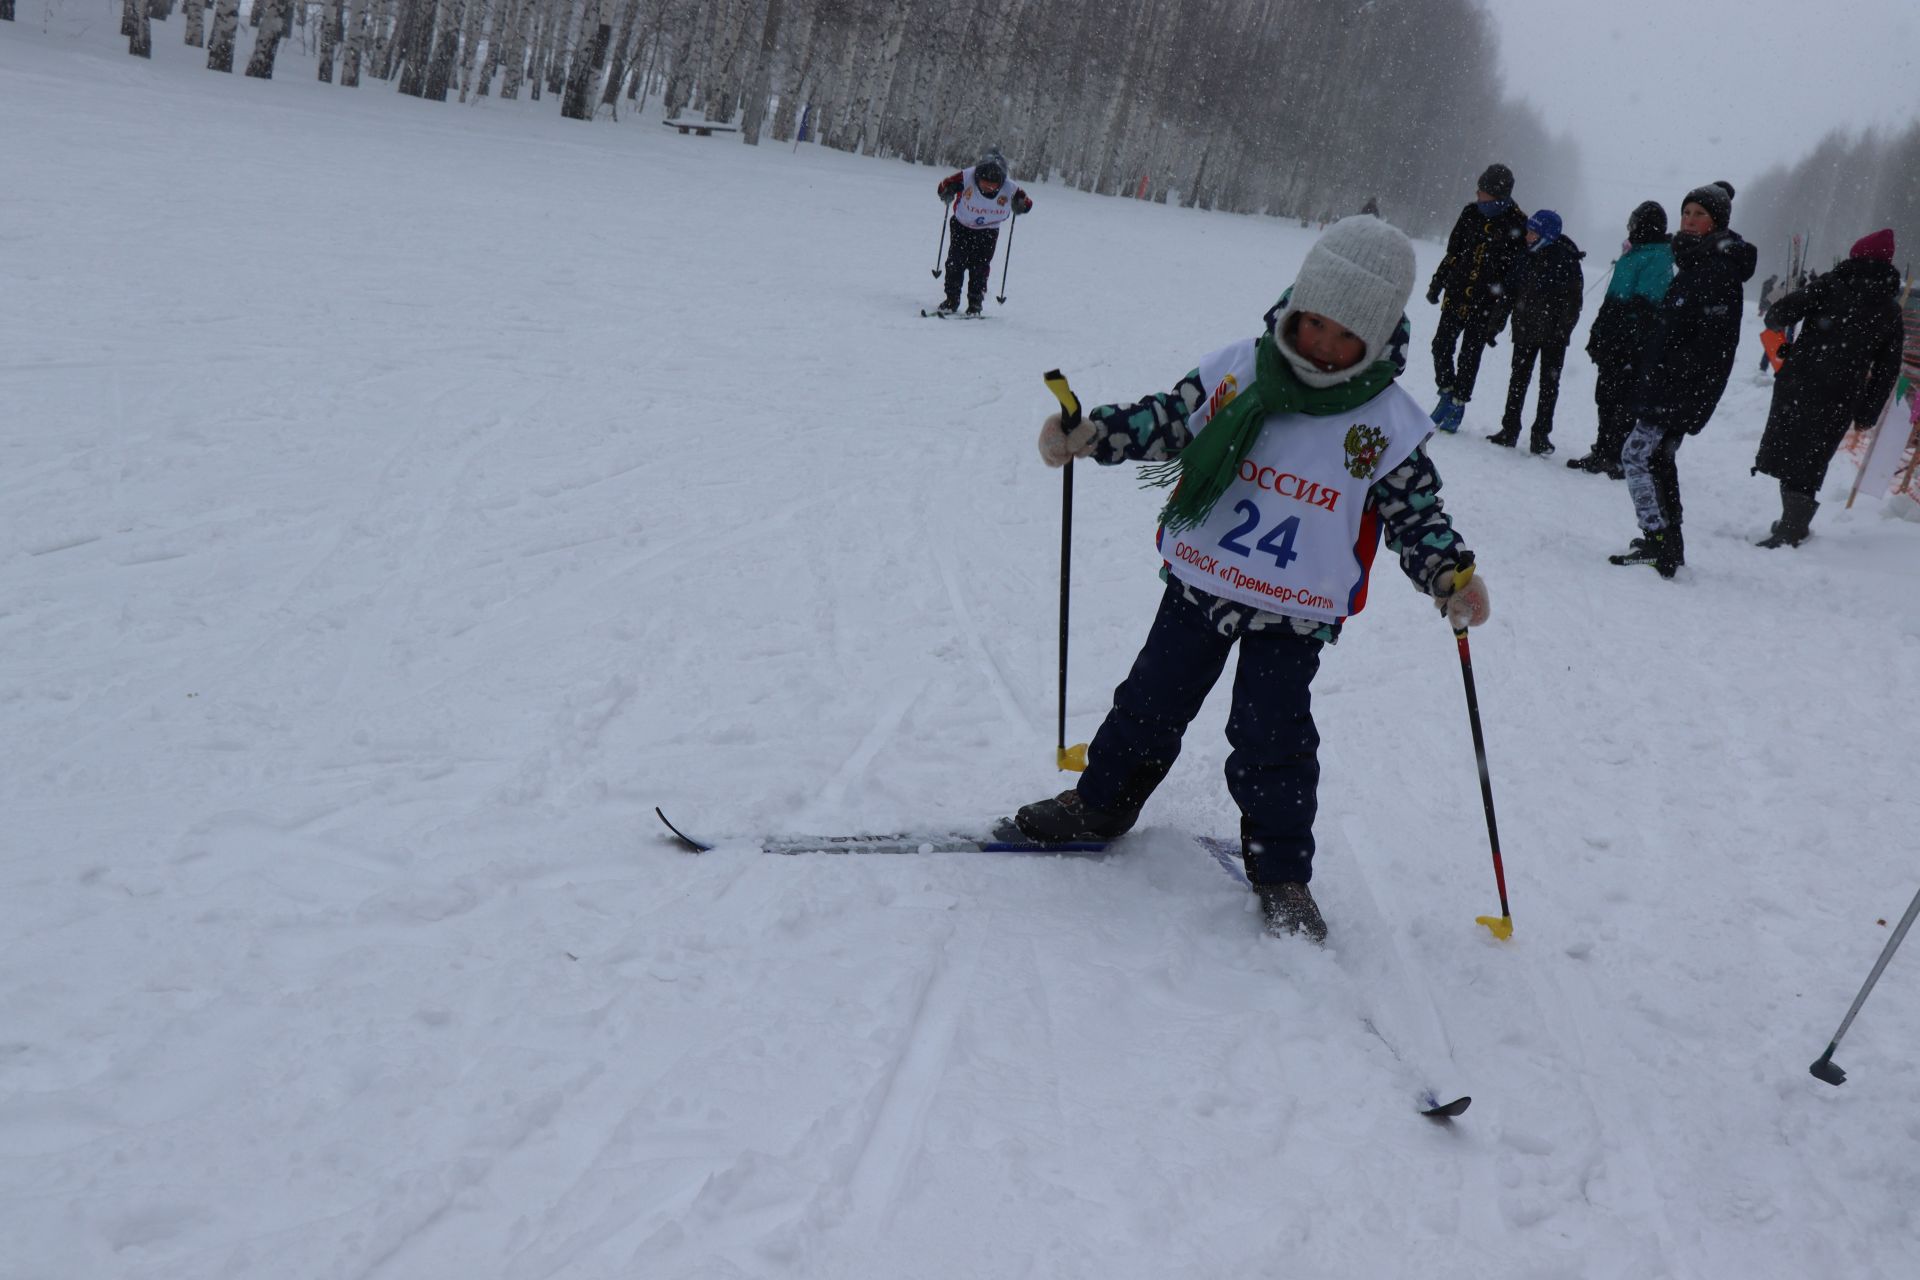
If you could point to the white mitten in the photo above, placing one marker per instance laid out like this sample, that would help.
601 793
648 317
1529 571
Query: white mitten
1467 605
1057 447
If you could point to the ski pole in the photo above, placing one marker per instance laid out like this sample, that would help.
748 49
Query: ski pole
1071 759
1825 1068
940 250
1501 926
1001 297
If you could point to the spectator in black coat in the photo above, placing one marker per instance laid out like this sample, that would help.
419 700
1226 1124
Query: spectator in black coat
1488 237
1838 372
1618 339
1547 288
1689 357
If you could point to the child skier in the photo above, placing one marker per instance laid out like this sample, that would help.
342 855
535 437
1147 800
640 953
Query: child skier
1288 454
982 197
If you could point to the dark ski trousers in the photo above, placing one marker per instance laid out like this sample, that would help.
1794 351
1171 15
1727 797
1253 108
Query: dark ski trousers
1273 771
1453 379
1653 477
1552 361
1616 424
971 251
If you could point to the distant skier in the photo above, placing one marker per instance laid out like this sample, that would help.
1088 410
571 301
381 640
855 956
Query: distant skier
1547 289
1287 453
1689 357
982 197
1837 374
1617 341
1487 239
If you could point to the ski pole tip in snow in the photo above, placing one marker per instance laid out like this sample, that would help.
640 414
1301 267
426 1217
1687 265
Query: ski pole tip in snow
1071 759
1827 1069
1500 927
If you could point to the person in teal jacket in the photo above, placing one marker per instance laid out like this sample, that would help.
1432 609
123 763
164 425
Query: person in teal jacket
1618 340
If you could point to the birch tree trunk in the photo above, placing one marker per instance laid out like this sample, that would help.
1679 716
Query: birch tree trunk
266 45
760 83
588 60
415 45
477 15
226 27
621 53
140 28
332 20
355 40
442 50
195 14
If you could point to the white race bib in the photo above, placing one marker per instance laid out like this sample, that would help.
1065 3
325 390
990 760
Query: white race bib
1294 533
973 209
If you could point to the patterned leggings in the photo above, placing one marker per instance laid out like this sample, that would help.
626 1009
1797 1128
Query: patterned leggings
1653 478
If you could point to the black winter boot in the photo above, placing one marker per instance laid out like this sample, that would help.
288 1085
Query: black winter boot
1288 909
1664 551
1540 445
1670 553
1506 437
1067 817
1795 524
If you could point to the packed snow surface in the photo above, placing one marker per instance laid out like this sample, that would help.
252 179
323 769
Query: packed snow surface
398 500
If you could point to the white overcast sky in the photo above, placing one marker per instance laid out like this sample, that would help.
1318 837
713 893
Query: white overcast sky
1663 95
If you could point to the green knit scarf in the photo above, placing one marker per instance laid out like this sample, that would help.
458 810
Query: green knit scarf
1201 472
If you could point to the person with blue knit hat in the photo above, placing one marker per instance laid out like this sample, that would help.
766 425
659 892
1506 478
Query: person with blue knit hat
1547 289
1287 456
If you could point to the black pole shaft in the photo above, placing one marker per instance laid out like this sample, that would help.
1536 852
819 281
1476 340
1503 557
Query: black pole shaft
1480 755
1879 966
940 250
1066 572
1007 262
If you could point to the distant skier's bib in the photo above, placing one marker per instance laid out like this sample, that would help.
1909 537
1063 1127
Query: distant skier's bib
1294 533
973 209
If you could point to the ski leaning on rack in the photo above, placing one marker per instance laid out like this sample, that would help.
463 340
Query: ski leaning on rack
1005 838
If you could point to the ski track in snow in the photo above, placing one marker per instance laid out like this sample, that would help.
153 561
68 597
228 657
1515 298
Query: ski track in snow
378 548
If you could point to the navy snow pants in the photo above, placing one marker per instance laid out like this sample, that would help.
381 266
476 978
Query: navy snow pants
1273 772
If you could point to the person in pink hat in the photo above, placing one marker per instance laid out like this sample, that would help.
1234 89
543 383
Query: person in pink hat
1837 373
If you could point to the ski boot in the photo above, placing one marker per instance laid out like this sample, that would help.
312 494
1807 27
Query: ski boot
974 311
1288 909
945 308
1066 817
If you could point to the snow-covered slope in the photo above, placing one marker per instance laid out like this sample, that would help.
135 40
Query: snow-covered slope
398 500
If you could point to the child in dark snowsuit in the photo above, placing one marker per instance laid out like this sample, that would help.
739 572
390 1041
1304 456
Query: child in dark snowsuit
1688 359
982 197
1289 454
1487 239
1838 372
1547 289
1617 342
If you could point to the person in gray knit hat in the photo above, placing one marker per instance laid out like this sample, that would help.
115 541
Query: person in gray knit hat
1286 456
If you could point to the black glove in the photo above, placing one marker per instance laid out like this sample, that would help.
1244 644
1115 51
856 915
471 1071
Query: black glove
1491 335
1433 294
